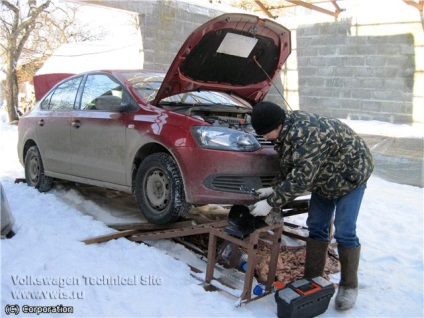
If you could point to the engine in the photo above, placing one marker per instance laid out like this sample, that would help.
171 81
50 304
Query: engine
235 119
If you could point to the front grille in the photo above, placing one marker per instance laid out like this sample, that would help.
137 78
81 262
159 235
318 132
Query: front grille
267 181
238 184
263 142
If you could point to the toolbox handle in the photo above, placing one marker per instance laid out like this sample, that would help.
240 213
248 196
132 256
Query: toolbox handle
314 289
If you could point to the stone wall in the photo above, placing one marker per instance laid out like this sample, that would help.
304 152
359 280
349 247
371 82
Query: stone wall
355 77
366 64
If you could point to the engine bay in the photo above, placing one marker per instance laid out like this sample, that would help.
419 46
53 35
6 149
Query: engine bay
222 116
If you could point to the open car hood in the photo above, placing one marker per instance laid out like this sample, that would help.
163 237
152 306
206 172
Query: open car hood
235 53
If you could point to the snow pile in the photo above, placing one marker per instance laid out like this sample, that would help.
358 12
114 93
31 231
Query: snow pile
47 263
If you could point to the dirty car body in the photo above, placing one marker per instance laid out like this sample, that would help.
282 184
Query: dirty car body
174 139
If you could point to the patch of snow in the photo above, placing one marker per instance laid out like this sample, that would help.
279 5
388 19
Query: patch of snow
379 128
120 278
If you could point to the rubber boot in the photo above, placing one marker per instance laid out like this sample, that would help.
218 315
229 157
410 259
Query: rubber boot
316 257
348 287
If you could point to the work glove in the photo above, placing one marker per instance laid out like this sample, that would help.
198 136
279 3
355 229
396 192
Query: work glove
261 208
264 192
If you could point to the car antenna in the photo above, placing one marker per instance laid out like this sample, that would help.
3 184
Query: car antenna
260 66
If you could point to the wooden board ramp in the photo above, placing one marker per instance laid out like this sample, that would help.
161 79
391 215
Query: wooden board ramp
128 229
215 230
108 237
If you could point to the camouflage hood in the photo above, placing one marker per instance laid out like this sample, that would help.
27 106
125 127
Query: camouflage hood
321 155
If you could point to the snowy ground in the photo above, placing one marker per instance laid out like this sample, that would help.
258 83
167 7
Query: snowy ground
47 263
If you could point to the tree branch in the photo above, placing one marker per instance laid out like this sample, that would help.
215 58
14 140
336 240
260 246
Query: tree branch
33 15
10 6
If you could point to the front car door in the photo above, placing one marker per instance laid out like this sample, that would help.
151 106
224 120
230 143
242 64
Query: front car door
98 132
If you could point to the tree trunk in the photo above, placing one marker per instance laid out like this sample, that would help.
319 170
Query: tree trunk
12 91
12 103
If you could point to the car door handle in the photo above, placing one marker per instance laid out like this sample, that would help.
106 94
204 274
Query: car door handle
76 124
41 122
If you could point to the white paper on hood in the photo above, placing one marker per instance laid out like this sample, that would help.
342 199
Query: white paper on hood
237 45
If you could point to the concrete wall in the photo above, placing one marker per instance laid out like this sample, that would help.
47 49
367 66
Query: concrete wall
356 77
367 64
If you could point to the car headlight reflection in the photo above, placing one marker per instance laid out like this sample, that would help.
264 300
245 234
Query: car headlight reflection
221 138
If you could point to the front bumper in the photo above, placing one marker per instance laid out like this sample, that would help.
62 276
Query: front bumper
225 177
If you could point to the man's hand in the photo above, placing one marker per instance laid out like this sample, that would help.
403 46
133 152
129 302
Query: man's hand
264 192
261 208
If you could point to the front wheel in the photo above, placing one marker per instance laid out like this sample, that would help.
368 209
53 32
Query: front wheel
34 171
159 190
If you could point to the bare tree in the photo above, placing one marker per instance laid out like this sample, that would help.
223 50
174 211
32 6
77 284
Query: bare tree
16 28
31 31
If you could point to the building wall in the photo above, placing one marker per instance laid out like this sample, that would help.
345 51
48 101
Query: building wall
356 77
367 64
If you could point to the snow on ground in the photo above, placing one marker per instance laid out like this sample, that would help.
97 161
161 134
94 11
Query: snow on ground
47 263
374 127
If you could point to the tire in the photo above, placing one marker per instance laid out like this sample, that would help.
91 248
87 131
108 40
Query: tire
159 190
34 171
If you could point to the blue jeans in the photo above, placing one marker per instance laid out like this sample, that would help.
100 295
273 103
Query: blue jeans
346 210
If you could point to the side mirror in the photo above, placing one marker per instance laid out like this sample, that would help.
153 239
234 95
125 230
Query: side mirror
110 103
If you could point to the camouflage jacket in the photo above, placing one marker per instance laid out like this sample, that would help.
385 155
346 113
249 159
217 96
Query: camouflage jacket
321 155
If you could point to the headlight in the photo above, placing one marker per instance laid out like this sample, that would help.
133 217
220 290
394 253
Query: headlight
220 138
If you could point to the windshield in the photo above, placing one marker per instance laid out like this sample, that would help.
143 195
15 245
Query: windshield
146 85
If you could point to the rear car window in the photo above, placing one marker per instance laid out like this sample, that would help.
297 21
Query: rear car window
63 97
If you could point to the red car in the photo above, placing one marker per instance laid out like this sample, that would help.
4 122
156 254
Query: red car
174 140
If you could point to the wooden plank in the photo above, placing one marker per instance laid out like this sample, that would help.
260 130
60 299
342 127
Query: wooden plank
295 226
314 7
108 237
150 227
142 231
178 232
294 235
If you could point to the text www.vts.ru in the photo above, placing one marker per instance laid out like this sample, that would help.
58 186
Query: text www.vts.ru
47 294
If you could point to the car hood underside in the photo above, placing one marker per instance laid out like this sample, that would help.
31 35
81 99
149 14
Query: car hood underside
236 53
